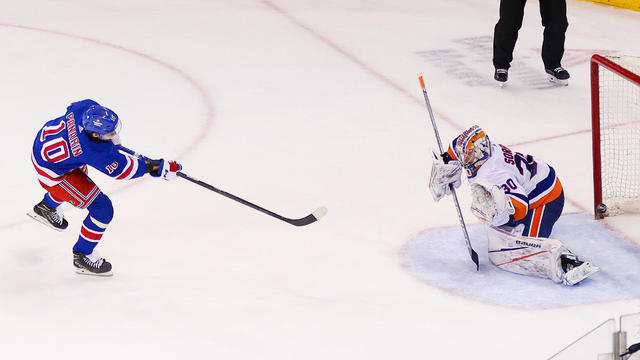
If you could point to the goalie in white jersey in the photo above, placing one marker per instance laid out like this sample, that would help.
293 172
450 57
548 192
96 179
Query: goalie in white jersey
520 197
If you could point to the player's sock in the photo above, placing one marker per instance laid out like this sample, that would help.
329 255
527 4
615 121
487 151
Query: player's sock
90 234
48 200
94 225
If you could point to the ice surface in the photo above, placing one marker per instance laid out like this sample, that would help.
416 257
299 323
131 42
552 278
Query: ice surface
433 255
291 104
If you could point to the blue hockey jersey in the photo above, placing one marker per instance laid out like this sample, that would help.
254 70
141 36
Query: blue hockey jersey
62 146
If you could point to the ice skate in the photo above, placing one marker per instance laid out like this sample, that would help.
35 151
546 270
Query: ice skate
91 264
51 217
576 270
501 76
558 76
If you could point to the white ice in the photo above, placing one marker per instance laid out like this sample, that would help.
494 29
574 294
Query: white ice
291 104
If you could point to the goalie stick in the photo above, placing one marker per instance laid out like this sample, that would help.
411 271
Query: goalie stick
472 253
311 218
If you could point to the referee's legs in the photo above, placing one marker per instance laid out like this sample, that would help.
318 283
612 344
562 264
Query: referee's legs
505 32
554 20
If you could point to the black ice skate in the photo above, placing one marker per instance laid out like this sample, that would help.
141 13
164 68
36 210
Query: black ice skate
48 216
501 76
558 75
91 264
575 270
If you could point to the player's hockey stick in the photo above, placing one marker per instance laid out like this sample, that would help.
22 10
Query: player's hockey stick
311 218
472 253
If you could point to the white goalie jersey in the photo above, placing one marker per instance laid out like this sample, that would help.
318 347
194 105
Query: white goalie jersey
529 182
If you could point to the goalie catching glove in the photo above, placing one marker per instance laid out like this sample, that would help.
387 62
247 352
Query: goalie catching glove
443 176
490 203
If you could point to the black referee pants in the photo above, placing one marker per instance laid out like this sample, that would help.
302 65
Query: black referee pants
554 21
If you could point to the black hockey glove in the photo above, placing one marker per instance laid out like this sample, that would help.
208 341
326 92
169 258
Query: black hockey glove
153 166
446 157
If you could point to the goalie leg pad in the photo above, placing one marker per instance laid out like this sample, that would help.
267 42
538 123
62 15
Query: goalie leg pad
526 255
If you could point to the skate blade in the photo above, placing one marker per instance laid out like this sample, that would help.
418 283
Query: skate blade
83 271
558 81
42 220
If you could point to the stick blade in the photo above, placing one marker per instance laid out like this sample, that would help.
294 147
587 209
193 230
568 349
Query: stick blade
309 219
320 212
474 257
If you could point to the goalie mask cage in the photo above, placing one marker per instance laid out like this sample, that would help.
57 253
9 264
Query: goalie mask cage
615 126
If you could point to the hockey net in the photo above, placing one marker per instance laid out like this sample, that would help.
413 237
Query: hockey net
615 116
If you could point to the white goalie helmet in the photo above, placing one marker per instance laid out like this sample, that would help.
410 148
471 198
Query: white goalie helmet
473 148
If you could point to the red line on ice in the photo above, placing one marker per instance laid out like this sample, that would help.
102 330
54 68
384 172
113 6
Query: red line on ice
361 64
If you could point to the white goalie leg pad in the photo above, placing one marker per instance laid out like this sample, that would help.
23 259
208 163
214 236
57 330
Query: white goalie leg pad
442 176
490 203
526 255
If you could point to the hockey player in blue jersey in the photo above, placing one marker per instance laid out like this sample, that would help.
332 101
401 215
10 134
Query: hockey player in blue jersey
86 135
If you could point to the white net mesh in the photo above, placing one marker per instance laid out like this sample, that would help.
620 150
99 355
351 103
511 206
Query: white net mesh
620 137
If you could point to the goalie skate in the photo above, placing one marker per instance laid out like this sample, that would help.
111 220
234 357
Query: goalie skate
48 216
579 273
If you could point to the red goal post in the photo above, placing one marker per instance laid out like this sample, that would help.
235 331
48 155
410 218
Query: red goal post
615 124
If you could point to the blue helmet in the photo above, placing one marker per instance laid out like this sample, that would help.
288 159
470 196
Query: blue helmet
100 120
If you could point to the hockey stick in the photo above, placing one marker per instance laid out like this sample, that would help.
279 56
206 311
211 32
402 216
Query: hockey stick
472 253
311 218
